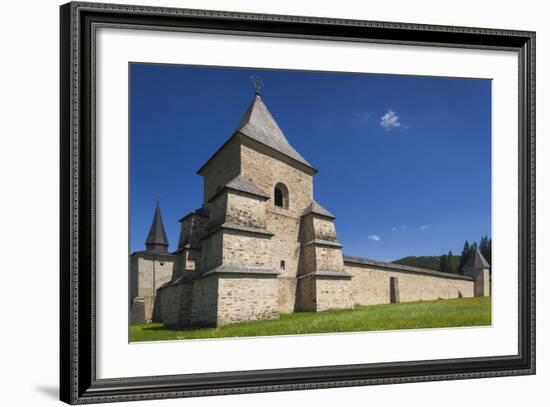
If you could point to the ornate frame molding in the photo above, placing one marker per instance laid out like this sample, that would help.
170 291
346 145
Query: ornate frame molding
79 21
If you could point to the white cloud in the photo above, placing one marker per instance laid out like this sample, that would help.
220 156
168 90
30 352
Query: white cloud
390 120
394 229
403 226
424 227
376 238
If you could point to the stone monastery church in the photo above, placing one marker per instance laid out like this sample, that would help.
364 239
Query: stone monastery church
260 246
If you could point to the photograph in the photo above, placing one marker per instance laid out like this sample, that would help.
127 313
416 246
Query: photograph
291 202
270 200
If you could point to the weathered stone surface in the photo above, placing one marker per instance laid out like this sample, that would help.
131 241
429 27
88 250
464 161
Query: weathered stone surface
138 311
246 298
204 308
241 257
176 304
148 272
482 280
371 285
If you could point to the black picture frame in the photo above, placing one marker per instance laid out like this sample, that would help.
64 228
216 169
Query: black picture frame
78 382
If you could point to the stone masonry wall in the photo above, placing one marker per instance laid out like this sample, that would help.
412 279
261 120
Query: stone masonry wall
287 294
192 229
211 255
246 249
218 210
265 172
333 293
222 169
371 285
148 265
143 267
204 309
329 258
324 229
285 246
306 295
176 304
308 262
245 210
247 298
186 260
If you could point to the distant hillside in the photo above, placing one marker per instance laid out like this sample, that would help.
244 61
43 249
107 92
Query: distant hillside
427 262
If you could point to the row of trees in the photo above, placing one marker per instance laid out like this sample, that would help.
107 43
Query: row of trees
448 263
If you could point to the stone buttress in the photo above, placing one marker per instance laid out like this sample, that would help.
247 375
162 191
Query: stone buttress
322 282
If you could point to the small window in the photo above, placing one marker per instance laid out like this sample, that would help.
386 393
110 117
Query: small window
161 263
280 196
283 265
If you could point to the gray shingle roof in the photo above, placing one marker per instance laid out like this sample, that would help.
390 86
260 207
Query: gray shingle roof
323 242
401 267
476 261
242 184
328 273
157 235
233 269
314 207
258 124
239 228
202 211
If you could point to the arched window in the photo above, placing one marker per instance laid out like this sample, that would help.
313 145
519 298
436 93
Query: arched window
280 195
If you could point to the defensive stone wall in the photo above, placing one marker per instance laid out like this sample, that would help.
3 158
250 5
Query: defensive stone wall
371 283
244 297
176 302
286 294
333 293
246 249
148 272
323 291
246 211
204 308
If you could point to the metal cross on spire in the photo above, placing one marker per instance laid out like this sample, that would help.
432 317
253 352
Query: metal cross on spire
257 82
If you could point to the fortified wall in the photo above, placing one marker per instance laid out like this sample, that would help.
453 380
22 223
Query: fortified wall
261 246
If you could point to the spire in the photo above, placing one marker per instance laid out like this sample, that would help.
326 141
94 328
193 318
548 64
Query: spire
259 125
476 261
157 242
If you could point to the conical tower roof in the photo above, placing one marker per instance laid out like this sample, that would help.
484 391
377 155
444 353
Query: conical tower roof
157 240
259 125
476 261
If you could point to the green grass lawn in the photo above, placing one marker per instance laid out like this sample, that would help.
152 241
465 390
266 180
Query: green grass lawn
423 314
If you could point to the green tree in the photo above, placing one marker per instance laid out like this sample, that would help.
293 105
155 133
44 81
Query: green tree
452 265
443 263
489 251
463 257
484 247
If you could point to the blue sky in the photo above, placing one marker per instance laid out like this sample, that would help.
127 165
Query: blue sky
404 161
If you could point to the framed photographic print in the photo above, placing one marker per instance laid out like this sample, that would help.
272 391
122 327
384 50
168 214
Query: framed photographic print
255 203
